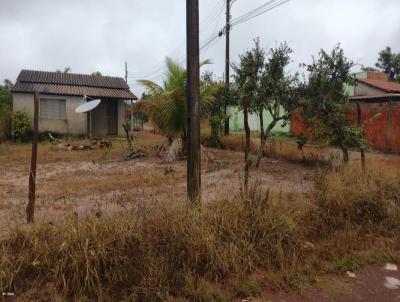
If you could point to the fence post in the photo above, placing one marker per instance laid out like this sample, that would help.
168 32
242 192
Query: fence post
30 209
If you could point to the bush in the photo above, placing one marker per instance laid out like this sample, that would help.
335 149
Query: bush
20 126
5 124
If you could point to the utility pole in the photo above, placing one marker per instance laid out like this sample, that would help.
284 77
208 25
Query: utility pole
193 82
227 60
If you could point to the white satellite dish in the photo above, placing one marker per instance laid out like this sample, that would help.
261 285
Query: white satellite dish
86 107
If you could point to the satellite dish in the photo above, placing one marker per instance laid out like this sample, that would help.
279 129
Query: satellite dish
89 106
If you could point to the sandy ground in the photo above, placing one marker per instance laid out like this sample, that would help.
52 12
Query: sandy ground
77 186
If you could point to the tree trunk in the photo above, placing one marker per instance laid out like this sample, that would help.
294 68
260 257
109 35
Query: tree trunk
261 151
265 137
363 163
346 157
247 161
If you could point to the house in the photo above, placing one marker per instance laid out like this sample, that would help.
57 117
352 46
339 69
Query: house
236 121
375 103
62 93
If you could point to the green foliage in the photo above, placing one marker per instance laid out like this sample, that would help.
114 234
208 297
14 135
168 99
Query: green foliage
388 61
20 126
301 141
261 78
5 111
326 105
166 106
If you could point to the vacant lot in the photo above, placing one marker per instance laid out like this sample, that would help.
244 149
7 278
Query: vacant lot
81 182
305 221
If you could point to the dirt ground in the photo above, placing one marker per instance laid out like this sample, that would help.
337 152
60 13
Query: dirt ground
95 182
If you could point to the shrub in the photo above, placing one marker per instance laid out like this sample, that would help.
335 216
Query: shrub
20 126
5 124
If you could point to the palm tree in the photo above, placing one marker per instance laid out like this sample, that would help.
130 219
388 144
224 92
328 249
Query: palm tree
166 105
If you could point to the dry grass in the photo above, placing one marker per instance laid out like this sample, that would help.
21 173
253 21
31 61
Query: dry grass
163 251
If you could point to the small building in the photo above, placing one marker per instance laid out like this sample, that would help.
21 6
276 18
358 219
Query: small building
375 102
62 93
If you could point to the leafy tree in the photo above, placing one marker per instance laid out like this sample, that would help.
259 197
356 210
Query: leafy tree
166 105
8 84
97 73
326 105
261 76
388 61
216 115
5 112
20 126
66 70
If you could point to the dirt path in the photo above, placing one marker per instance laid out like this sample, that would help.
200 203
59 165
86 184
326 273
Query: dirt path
370 284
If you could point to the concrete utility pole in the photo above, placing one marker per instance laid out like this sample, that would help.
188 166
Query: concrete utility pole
193 82
227 57
30 209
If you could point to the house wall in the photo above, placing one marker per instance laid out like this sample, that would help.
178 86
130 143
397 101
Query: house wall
121 117
362 89
99 120
380 119
236 122
74 123
381 122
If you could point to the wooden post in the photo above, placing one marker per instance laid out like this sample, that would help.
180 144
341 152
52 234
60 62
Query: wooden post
30 209
193 82
247 161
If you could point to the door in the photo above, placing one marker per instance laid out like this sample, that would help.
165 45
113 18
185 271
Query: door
112 117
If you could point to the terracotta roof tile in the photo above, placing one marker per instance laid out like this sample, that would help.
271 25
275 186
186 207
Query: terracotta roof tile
45 82
382 85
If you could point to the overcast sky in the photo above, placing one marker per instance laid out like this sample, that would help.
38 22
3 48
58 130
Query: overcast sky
100 35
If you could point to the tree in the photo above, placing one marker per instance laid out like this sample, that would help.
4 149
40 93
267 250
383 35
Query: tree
5 112
166 105
97 73
262 77
326 105
389 62
216 114
66 70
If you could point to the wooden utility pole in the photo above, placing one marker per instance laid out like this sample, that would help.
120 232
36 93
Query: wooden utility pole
131 102
30 209
227 59
193 86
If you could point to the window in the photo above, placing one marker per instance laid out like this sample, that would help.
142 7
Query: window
52 109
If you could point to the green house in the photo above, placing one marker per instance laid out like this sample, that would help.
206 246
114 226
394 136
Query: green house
236 122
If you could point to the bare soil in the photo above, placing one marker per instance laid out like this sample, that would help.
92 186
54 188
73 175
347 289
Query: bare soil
94 182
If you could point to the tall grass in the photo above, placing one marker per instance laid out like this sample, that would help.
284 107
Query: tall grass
160 252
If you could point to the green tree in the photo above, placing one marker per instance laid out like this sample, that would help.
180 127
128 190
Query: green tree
166 105
5 112
66 70
326 105
388 61
216 114
262 78
97 73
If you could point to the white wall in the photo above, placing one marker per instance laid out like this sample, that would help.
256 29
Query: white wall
74 123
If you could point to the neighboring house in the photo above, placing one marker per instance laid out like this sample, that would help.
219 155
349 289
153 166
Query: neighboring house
236 121
375 103
62 93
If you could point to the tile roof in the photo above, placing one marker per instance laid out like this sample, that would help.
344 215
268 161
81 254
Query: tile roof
375 96
382 85
71 84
